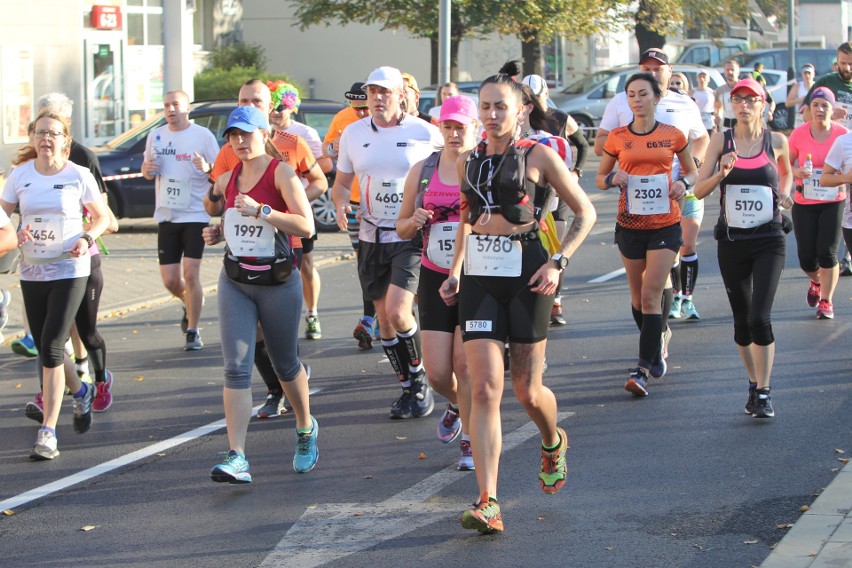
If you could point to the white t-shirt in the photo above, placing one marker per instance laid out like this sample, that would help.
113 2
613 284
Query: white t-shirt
382 158
4 219
674 109
840 158
176 170
53 206
706 101
723 95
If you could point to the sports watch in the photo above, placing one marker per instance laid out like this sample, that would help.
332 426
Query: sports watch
687 185
265 211
561 261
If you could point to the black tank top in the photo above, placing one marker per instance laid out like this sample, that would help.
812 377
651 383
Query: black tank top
760 169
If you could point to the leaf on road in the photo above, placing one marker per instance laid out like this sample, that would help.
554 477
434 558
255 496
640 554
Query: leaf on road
610 548
784 526
402 437
140 378
88 528
357 514
368 477
205 411
422 456
540 517
844 460
162 454
135 331
17 386
838 451
750 541
8 512
804 508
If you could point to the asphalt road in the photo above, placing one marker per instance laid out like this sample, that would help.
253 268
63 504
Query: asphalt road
681 478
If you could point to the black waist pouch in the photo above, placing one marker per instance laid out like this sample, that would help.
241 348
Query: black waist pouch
269 271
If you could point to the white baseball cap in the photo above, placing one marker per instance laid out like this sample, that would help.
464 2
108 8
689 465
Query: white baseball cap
536 83
387 77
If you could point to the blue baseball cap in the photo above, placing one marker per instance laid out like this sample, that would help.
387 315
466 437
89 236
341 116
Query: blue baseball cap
247 119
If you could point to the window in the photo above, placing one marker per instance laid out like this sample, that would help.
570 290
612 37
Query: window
319 121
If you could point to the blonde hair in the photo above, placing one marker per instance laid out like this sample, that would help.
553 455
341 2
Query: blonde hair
28 152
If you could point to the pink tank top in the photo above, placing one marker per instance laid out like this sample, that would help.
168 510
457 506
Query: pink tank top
443 200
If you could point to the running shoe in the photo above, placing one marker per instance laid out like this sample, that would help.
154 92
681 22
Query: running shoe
664 345
484 516
34 410
274 405
556 317
193 341
658 368
307 452
637 383
45 447
83 409
450 425
5 300
235 469
845 267
25 346
401 408
554 467
814 294
674 313
312 328
825 310
689 311
763 404
184 321
103 396
364 334
752 396
466 459
376 329
422 401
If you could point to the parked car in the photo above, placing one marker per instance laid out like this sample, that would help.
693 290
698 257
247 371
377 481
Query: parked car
776 84
429 95
586 99
131 195
777 59
709 52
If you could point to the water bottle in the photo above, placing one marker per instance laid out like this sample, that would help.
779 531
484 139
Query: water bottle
809 165
157 151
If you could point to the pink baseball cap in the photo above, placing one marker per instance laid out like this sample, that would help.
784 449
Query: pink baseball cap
459 108
750 85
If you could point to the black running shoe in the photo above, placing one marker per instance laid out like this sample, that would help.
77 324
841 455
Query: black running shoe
401 407
752 395
763 404
274 406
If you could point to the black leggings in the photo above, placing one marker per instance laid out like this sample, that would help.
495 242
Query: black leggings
50 310
817 229
751 270
87 320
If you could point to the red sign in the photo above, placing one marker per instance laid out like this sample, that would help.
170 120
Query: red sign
106 17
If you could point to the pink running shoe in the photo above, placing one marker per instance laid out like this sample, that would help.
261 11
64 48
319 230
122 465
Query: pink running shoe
103 396
825 310
813 294
35 409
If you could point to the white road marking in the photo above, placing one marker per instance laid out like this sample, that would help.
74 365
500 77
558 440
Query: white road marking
331 531
17 501
607 277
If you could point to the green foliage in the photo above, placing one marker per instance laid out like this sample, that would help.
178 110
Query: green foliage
214 83
238 55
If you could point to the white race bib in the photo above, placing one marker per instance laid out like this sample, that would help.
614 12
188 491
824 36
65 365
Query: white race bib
247 236
47 234
385 197
175 193
748 206
441 244
813 190
648 195
489 255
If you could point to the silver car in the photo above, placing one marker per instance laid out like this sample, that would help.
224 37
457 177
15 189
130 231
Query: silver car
586 99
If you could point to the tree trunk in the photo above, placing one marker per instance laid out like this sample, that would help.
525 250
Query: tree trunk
644 36
532 54
455 43
433 47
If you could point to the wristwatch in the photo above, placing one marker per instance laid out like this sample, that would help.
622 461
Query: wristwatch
88 238
560 261
687 185
578 171
264 211
330 150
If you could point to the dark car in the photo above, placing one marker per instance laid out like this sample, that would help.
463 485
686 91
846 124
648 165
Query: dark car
131 195
778 59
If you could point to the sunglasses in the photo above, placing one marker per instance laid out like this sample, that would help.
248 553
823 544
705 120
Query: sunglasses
677 83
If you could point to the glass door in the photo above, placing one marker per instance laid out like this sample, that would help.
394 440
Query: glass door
103 87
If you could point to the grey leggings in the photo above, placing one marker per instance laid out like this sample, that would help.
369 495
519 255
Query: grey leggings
279 310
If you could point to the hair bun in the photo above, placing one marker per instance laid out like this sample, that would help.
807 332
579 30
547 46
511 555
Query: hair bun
512 68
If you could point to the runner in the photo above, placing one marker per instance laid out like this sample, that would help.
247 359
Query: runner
179 212
259 285
647 230
412 98
817 210
705 98
431 205
837 171
796 98
751 166
725 118
839 83
367 327
381 150
285 102
514 303
447 90
50 193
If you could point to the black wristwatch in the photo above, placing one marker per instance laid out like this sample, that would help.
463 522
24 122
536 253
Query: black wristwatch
560 261
88 238
687 185
578 171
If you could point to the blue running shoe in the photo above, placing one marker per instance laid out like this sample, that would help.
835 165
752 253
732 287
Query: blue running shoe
307 452
25 346
637 384
450 425
674 313
235 469
689 311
